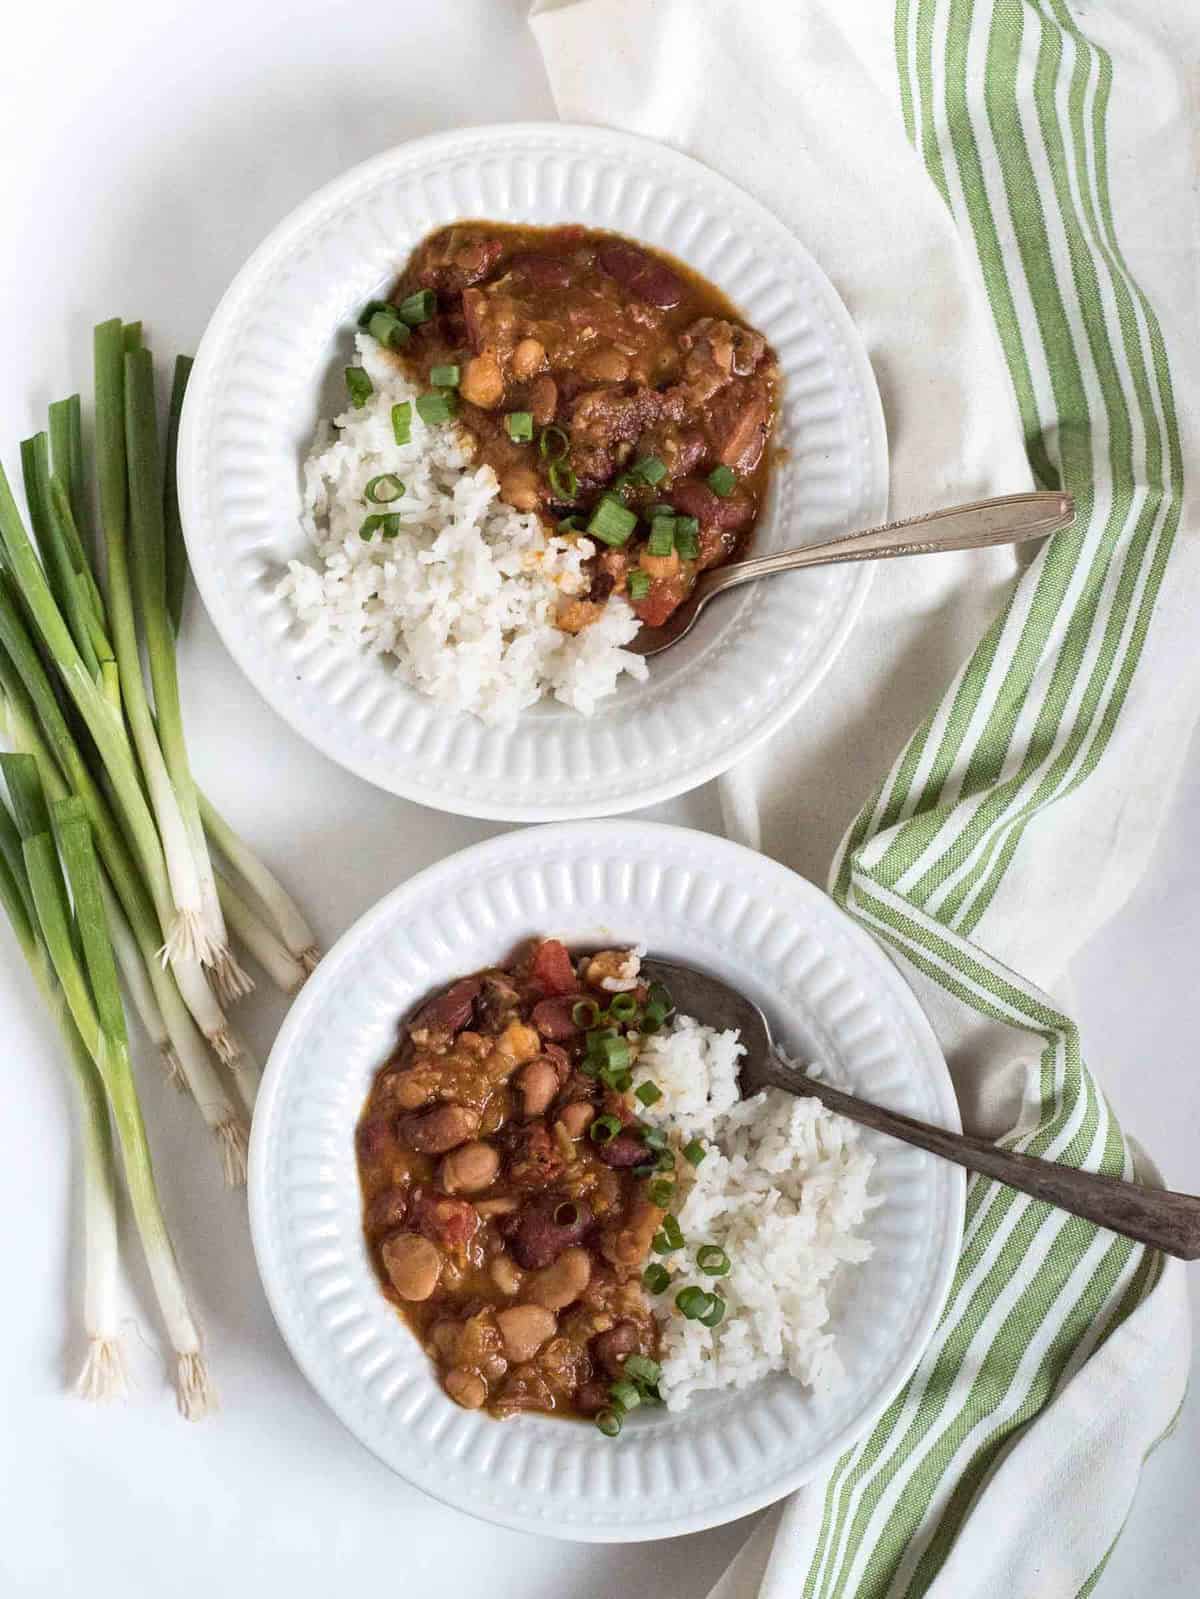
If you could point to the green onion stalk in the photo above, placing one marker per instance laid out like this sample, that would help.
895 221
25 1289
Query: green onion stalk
92 996
103 1372
36 726
123 493
284 970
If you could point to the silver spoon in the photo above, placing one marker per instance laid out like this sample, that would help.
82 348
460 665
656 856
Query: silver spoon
1008 520
1154 1216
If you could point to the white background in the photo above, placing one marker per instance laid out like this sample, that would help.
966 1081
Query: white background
146 150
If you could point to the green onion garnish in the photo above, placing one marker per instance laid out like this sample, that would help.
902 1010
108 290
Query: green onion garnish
648 1093
623 1007
610 522
654 1138
712 1260
662 536
585 1013
520 426
611 1053
694 1152
666 1161
385 488
626 1395
620 485
715 1312
619 1080
687 537
358 386
609 1423
650 469
670 1238
569 524
640 1367
373 308
661 1192
402 422
563 480
722 481
637 584
604 1129
566 1214
387 327
692 1302
444 377
439 407
386 523
553 444
418 307
655 1278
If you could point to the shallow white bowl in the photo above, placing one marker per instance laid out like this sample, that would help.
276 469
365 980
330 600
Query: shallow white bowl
270 364
830 994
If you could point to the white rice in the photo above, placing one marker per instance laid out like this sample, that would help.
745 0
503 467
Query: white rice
462 602
782 1190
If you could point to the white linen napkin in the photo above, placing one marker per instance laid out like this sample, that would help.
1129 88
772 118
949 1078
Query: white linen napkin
1002 198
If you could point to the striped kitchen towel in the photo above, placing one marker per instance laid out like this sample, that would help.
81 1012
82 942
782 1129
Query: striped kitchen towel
1003 193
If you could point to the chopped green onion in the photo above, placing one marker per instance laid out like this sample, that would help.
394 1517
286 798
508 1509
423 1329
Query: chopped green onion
655 1278
402 422
553 444
722 481
563 480
619 1080
619 486
439 407
715 1312
358 386
712 1260
611 1053
372 308
687 537
386 523
604 1129
444 377
662 1245
640 1367
662 536
610 522
566 1214
654 1138
623 1007
626 1395
661 1192
385 488
571 524
648 1093
520 426
650 469
387 328
419 307
666 1161
637 584
660 994
585 1013
609 1423
692 1302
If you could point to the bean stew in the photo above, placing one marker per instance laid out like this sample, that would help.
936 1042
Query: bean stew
511 1194
614 391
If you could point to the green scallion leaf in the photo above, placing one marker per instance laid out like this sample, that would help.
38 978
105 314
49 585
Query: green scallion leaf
519 426
402 422
437 407
654 1138
562 480
610 522
387 328
712 1260
649 1093
661 1192
385 488
385 523
570 524
609 1423
417 308
640 1367
687 537
604 1129
722 481
553 444
637 584
623 1007
650 469
625 1394
694 1152
585 1013
662 536
444 377
358 386
692 1302
655 1278
714 1314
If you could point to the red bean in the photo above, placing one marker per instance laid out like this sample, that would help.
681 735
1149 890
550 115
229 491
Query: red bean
552 1017
626 1149
450 1011
547 1226
647 279
546 271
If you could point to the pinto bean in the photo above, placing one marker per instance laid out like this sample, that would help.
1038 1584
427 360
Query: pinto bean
559 1285
553 1019
546 271
577 1118
412 1090
469 1168
543 399
537 1084
647 279
433 1132
605 365
387 1210
527 358
451 1011
505 1205
612 1347
413 1265
467 1388
548 1225
694 498
506 1275
519 487
524 1329
482 381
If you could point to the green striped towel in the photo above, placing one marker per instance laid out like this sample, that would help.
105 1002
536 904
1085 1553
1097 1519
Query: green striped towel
969 173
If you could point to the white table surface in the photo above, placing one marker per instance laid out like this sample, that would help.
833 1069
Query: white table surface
148 148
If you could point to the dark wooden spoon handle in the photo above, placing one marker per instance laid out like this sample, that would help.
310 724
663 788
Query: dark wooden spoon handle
1166 1221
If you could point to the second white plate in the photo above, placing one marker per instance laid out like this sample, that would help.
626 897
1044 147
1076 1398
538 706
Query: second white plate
256 393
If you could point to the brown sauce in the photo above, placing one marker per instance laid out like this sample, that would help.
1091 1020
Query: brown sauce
635 380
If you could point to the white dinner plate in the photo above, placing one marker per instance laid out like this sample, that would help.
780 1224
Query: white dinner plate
830 994
270 365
